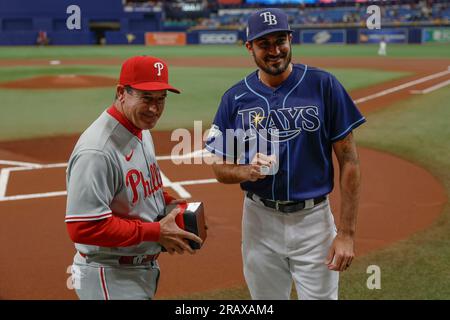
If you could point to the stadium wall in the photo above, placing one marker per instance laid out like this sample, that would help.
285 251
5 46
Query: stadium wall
107 22
333 36
133 32
21 21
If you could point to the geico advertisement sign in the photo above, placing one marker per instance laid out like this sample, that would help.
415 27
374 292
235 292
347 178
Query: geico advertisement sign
218 38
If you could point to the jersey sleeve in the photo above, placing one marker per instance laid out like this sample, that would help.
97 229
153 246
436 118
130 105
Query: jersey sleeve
167 198
217 142
113 232
90 186
344 115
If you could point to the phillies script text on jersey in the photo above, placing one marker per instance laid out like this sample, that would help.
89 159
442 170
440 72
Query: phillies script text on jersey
135 178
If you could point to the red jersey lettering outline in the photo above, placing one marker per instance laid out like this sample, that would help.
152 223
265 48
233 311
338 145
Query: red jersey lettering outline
134 182
134 178
158 175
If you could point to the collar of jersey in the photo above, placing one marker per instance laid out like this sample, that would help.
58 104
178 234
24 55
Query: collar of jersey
284 87
125 122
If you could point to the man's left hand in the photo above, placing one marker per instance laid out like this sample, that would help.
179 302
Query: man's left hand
341 253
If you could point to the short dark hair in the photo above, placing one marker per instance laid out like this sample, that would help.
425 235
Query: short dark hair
127 88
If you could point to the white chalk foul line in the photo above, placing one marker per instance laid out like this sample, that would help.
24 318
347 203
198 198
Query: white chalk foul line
5 173
402 86
34 196
182 192
176 186
432 88
19 163
22 166
196 154
4 177
202 181
38 167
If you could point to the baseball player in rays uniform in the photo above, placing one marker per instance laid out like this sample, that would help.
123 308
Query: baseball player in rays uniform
297 115
115 192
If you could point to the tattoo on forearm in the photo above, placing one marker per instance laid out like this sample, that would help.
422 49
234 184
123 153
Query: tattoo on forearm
349 153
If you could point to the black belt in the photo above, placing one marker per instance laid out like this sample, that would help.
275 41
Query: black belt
142 259
288 206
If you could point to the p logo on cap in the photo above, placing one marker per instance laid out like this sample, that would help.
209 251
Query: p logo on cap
146 73
159 66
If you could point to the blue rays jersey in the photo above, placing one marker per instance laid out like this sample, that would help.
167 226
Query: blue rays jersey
298 122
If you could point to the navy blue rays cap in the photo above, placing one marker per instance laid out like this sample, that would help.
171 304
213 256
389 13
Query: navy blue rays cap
266 21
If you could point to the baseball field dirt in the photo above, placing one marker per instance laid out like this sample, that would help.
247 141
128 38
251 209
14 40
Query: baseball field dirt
65 81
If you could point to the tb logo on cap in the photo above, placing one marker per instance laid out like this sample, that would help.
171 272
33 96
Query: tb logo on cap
269 18
159 66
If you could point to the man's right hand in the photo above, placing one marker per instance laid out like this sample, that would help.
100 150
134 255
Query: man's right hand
252 172
254 169
172 237
258 168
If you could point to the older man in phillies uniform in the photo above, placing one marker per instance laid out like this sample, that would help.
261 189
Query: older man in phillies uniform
115 192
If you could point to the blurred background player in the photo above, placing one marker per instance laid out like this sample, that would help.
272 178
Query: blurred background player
382 47
42 38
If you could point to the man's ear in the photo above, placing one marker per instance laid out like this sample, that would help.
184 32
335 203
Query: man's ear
120 93
249 46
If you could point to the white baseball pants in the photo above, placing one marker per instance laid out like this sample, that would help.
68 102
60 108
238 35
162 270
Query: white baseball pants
279 248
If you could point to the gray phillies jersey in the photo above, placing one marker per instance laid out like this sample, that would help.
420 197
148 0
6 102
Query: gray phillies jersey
113 172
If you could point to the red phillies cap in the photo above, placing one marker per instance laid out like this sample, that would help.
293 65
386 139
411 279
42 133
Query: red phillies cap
146 73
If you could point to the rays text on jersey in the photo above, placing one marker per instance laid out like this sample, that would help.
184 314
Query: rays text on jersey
283 123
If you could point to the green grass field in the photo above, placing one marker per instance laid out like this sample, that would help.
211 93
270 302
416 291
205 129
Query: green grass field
33 113
418 268
78 52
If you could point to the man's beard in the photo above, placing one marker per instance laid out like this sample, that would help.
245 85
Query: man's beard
275 70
